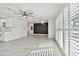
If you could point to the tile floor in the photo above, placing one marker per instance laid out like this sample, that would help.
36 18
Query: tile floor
35 45
45 51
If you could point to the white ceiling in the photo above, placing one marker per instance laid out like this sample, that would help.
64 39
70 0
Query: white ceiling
41 10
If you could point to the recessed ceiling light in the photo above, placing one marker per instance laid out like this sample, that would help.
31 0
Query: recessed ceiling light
42 22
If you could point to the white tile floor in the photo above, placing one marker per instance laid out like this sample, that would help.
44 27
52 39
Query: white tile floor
30 46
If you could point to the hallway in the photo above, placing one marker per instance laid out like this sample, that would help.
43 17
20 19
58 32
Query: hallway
32 44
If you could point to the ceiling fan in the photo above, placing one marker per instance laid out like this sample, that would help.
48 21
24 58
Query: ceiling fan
22 13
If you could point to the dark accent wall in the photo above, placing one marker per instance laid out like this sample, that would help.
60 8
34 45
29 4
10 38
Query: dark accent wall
41 28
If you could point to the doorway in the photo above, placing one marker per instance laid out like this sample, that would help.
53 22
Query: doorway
40 28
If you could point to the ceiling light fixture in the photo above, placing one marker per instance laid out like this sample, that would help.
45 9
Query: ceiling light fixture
42 22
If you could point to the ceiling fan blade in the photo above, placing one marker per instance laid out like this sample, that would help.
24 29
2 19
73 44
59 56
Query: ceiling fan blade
18 13
30 13
31 16
7 8
10 9
27 10
21 11
1 17
20 16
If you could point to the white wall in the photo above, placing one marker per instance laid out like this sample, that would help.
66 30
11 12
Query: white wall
51 28
19 30
30 31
